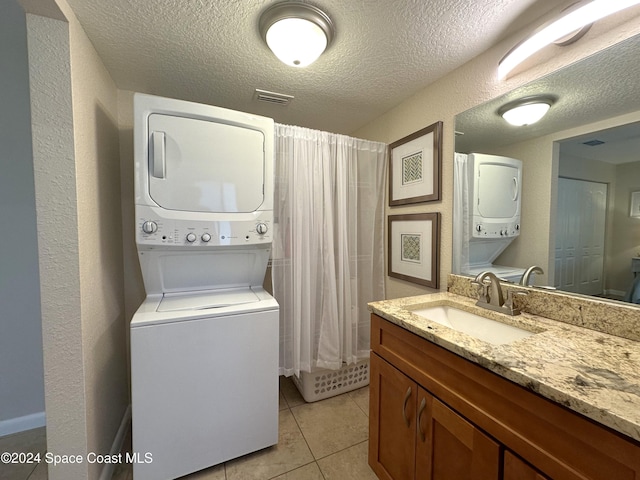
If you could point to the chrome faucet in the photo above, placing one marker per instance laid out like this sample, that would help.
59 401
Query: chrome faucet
490 295
524 281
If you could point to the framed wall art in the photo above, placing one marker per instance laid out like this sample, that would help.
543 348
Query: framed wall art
414 248
415 167
634 211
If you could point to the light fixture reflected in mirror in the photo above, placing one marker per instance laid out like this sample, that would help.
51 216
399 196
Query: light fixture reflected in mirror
577 17
297 33
527 110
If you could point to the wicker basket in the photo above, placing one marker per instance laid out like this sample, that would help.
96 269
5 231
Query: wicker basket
321 383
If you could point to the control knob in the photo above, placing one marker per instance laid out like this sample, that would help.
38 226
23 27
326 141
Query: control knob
149 226
478 228
205 237
262 228
191 237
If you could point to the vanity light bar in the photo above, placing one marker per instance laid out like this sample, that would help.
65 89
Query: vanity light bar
576 19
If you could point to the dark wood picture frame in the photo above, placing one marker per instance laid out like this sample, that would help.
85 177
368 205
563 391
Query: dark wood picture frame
417 162
414 248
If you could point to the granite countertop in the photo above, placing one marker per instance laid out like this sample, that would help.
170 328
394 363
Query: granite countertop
589 372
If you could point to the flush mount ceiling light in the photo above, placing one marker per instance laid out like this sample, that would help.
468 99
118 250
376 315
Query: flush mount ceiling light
297 33
578 17
527 110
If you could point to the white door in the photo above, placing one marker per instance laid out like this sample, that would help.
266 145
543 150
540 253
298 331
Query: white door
579 258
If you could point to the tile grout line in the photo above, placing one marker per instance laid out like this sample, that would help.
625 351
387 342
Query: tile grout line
315 460
303 436
347 394
31 472
342 449
306 443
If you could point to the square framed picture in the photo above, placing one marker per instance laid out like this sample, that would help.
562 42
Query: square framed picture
414 248
415 167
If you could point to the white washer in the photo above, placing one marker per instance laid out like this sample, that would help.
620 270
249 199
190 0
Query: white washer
204 343
204 381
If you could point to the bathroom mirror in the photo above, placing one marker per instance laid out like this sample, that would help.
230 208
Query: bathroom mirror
598 100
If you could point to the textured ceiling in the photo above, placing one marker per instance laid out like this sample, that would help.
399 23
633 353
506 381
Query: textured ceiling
602 86
210 51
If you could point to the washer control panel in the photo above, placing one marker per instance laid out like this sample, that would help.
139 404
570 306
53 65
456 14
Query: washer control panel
488 229
154 231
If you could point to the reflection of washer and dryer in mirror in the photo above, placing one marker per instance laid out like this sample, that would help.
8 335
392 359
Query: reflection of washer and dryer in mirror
487 205
204 343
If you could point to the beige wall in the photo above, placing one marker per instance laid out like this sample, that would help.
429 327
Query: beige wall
468 86
95 123
77 176
586 169
56 207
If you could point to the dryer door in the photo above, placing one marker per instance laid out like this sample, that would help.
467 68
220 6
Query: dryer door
498 190
205 166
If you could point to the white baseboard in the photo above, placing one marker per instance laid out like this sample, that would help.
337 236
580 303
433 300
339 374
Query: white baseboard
20 424
118 441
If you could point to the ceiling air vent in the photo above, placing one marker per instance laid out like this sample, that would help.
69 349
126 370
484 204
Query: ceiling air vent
593 143
273 97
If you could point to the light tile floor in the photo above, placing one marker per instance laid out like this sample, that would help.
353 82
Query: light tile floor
32 441
325 440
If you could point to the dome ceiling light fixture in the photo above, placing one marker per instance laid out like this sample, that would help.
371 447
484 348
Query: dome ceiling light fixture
297 33
578 16
526 110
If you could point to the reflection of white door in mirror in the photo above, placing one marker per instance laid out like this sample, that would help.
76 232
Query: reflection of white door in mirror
580 226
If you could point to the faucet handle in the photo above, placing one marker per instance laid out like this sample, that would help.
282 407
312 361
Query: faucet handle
483 290
509 303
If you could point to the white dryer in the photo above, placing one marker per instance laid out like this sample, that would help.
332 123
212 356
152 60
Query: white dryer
487 209
204 343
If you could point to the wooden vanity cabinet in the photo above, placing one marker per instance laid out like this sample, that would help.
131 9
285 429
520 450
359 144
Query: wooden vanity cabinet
451 447
517 469
414 435
392 395
436 416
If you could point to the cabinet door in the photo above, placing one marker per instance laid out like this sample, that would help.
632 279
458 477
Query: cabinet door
392 426
451 448
517 469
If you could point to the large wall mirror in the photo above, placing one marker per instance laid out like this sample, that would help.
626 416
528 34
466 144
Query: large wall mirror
580 172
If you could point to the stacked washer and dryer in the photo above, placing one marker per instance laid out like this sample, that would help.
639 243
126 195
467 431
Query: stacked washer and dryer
486 208
204 343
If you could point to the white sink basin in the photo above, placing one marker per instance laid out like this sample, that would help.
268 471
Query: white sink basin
474 325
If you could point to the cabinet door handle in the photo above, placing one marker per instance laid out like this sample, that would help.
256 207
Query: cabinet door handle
404 406
423 405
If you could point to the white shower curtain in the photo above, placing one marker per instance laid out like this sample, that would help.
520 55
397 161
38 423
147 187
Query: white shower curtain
461 217
328 257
